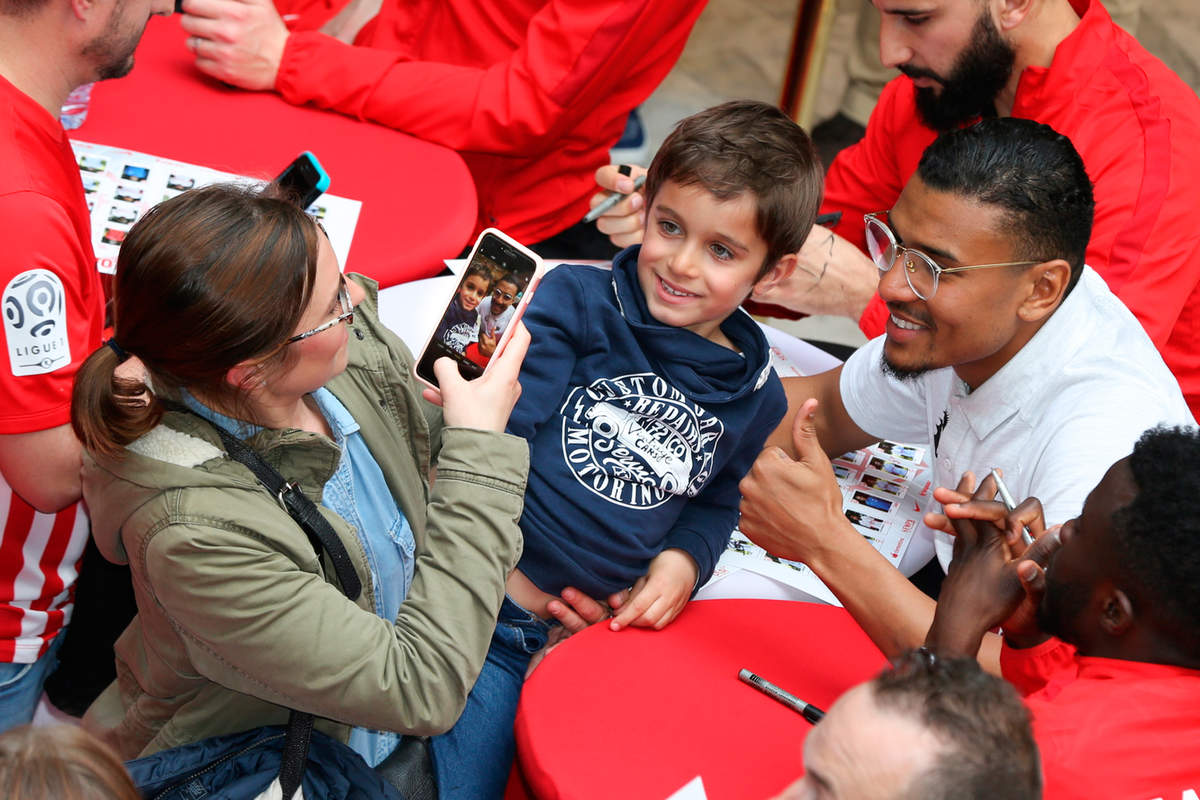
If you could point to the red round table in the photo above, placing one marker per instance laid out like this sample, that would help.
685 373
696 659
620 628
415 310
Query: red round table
418 198
639 713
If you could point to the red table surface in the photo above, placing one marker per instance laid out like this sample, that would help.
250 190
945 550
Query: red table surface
639 713
418 198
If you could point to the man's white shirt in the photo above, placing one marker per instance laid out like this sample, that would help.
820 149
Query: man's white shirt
1066 407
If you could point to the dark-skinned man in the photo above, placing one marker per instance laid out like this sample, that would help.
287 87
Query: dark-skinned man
1104 643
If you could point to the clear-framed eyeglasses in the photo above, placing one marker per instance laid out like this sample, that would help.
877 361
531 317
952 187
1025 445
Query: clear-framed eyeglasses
347 315
920 271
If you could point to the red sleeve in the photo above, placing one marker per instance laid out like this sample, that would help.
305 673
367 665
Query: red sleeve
1145 242
574 56
869 176
1030 669
51 311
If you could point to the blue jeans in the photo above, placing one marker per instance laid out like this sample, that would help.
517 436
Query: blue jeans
472 760
21 686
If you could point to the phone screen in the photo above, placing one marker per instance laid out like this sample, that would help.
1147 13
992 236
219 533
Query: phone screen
484 305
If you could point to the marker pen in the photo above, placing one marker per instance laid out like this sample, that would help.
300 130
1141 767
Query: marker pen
1010 504
808 710
613 198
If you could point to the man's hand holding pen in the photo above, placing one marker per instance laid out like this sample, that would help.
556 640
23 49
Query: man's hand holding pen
994 578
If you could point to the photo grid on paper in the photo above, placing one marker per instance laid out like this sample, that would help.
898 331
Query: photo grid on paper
122 185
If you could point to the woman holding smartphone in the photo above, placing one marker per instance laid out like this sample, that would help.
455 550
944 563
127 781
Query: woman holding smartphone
229 309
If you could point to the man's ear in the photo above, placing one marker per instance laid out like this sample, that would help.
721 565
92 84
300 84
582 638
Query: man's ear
1116 613
1009 14
83 9
1049 287
779 272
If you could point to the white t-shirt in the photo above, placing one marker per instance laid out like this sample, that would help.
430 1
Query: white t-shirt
493 325
1069 405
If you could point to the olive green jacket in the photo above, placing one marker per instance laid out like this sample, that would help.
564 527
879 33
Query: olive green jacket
238 621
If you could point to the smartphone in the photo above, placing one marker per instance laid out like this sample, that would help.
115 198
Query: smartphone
488 301
304 179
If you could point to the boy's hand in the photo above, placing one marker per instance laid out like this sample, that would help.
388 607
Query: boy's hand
660 594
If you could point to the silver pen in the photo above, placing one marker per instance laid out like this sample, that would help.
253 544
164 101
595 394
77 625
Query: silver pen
1010 504
613 198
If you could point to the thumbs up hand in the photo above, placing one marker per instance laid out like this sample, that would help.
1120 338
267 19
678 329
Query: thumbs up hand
788 504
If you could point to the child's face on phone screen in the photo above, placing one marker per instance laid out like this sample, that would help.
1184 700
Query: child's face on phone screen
473 290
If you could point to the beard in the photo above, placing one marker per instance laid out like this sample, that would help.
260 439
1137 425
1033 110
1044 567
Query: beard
981 70
112 50
900 373
1061 606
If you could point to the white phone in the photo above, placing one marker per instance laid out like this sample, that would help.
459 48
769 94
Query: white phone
488 301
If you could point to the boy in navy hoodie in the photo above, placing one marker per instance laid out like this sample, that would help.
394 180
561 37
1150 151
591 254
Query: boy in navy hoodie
646 395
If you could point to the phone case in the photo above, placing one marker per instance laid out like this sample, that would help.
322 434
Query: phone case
510 248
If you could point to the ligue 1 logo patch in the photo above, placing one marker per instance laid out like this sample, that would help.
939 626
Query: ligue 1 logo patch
637 441
35 323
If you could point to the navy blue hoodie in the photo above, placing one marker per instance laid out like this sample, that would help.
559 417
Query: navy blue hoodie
639 432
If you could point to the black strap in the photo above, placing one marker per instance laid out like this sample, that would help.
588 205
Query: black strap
294 757
301 509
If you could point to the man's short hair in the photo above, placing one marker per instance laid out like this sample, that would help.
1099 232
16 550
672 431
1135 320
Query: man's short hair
989 751
1029 171
19 8
750 146
1157 535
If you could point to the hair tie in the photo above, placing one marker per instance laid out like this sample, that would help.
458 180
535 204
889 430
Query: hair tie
122 356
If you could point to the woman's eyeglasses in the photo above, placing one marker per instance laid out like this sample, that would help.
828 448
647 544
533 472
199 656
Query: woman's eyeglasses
347 315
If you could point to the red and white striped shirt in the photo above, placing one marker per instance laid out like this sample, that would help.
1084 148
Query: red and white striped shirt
52 319
39 560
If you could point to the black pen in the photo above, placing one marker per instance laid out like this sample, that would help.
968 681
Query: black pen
613 198
808 710
832 218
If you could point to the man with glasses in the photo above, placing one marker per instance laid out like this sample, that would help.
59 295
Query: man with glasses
1001 350
495 312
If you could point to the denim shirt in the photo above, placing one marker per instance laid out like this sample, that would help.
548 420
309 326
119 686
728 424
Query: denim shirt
359 494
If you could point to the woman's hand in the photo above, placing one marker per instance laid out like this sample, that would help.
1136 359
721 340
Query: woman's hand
486 402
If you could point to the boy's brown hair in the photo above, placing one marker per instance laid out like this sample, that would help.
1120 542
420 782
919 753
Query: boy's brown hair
745 145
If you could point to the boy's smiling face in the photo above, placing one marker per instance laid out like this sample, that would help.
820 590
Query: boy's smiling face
473 290
700 258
